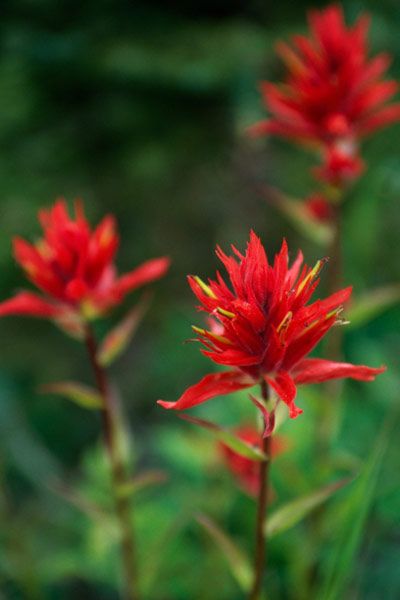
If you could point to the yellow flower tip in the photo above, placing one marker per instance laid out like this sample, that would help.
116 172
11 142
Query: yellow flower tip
210 334
315 271
206 288
225 313
198 330
285 321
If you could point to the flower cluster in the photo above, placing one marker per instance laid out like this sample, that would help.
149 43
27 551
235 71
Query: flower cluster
73 267
266 327
334 94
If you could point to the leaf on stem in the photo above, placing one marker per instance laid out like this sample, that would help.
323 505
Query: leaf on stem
371 304
142 481
79 393
294 511
229 439
296 212
350 533
117 340
239 563
88 507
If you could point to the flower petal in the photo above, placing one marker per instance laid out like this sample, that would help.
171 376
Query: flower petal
285 387
214 384
27 303
316 370
146 272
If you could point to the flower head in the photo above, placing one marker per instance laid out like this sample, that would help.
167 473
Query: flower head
334 94
73 267
245 470
267 327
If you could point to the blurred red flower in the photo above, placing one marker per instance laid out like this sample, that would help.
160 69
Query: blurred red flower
73 267
319 208
267 327
334 94
245 470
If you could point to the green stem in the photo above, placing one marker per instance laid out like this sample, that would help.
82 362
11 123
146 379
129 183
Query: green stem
330 409
119 475
262 503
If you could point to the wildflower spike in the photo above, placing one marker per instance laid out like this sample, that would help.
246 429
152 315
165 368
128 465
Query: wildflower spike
273 330
73 267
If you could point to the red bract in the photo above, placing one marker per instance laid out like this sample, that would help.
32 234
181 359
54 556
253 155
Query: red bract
268 327
319 208
73 267
245 470
333 92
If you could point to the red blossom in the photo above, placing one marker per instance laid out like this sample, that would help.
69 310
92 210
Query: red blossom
267 327
73 267
334 94
319 208
245 470
340 166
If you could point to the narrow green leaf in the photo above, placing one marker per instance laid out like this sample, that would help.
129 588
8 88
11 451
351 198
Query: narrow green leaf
371 304
118 338
297 213
349 533
76 392
90 508
294 511
229 439
142 481
239 564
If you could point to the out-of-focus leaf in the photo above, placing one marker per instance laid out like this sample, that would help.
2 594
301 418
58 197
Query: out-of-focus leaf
349 535
295 210
72 324
85 505
228 438
156 554
119 337
239 564
81 394
142 481
372 304
293 512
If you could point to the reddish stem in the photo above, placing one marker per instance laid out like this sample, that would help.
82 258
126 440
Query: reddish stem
262 503
118 472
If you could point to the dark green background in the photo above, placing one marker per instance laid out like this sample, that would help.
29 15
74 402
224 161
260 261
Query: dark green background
140 109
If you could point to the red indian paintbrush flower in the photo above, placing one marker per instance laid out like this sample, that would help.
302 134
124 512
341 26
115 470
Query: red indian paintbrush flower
266 327
334 94
245 470
73 267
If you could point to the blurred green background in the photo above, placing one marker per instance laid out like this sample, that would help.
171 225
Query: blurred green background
140 109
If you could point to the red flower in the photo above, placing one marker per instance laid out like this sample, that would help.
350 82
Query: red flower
319 208
74 269
333 91
268 327
340 165
245 470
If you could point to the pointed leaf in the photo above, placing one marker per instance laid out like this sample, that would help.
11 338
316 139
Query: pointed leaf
239 564
142 481
90 508
349 534
296 212
76 392
229 439
372 304
294 511
118 338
